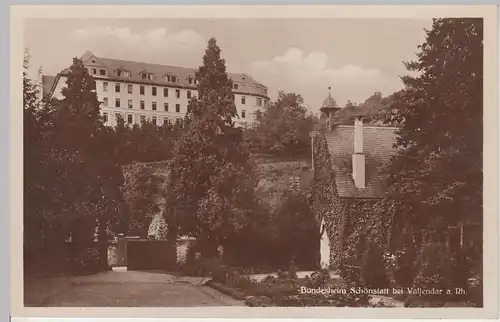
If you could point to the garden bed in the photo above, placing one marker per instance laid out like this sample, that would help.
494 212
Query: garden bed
284 289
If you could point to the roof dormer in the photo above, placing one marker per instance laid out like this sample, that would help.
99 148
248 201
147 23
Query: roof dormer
192 80
171 78
122 73
145 75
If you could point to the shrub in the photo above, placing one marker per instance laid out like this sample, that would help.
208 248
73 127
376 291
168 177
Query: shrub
215 269
259 301
293 300
198 267
372 270
405 267
318 279
322 279
86 261
351 274
420 301
435 270
292 270
158 228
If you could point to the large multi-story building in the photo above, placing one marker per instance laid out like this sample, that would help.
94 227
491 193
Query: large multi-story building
158 93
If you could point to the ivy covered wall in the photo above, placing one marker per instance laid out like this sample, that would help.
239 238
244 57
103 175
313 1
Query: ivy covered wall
359 217
350 222
326 202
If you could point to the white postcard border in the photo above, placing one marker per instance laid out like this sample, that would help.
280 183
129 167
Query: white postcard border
490 157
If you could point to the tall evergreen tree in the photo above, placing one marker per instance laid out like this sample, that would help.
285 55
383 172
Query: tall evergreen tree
210 173
437 175
72 137
85 159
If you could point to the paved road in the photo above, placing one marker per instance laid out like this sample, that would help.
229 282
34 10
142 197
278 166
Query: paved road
125 289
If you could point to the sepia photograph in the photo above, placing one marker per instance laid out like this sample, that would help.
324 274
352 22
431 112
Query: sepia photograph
253 162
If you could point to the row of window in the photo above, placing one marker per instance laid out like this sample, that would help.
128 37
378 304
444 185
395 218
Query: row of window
93 71
142 119
154 106
142 105
142 90
170 78
154 92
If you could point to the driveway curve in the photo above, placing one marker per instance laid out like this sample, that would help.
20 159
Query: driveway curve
127 289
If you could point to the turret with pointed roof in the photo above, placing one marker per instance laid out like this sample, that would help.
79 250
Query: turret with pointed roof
329 108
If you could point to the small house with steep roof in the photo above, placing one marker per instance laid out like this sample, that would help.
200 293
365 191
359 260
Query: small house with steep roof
348 173
350 177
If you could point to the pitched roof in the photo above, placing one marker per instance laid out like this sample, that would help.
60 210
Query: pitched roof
47 82
378 146
245 82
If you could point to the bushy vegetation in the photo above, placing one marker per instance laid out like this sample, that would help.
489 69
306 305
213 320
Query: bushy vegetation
72 177
81 174
373 272
282 290
282 129
289 234
374 110
437 173
435 180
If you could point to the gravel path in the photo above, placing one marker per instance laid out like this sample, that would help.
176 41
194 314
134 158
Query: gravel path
124 289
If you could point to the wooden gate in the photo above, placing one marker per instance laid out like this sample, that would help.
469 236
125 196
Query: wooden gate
142 254
151 255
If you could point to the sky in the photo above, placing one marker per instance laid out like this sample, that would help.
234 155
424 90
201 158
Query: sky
355 57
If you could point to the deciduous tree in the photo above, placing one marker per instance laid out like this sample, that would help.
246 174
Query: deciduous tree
282 128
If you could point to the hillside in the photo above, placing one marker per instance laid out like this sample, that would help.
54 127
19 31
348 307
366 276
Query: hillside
275 177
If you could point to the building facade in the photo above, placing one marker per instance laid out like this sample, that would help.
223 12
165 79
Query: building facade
157 93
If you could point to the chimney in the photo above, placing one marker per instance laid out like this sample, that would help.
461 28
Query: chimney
358 158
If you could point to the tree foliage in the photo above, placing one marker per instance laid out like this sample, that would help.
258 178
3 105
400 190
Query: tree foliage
72 169
435 180
143 193
158 227
282 128
439 165
372 267
35 169
211 189
146 142
298 231
373 109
